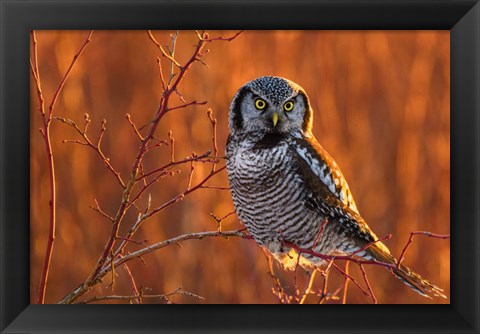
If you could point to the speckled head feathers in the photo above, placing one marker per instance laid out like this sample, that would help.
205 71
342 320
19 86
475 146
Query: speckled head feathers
276 91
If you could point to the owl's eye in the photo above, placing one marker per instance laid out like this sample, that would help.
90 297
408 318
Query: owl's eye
260 104
288 106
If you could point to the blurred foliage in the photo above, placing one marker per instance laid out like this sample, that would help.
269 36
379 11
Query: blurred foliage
381 108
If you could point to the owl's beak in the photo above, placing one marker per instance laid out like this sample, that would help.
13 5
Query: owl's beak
275 119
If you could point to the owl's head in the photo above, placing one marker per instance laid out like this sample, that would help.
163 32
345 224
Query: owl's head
270 105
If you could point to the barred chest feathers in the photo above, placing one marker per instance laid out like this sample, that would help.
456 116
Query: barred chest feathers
269 195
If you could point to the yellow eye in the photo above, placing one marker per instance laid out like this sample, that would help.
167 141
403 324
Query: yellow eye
260 104
288 106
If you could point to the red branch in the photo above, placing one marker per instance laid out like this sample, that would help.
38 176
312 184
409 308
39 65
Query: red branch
160 208
410 240
132 282
45 130
345 284
213 120
359 261
347 276
129 119
136 175
175 163
322 228
387 237
162 244
160 112
67 73
228 39
95 146
368 284
193 103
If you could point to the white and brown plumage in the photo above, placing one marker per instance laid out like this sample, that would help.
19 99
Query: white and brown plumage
285 185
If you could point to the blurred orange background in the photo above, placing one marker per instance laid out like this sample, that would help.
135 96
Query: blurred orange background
381 108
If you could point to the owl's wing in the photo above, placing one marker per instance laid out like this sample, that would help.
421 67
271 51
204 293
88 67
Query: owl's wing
324 167
329 192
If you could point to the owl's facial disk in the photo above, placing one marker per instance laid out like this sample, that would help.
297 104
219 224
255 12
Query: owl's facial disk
270 105
261 114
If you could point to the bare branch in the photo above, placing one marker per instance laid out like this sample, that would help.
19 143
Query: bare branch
67 73
215 188
228 39
214 134
193 103
48 148
308 290
133 284
387 237
162 207
172 146
109 256
175 240
129 119
178 291
160 70
345 284
96 147
410 240
175 163
100 211
164 53
345 273
368 284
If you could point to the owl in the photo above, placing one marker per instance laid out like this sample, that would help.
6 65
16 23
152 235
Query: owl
288 190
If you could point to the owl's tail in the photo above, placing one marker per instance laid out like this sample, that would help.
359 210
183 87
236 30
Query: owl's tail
408 277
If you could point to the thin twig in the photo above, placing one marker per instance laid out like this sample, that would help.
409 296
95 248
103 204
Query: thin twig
215 188
160 70
308 290
344 273
320 232
175 163
67 73
162 50
190 175
278 290
213 121
129 119
223 217
100 211
96 147
182 106
324 295
173 241
368 284
162 207
227 39
172 146
133 283
410 240
345 284
387 237
178 291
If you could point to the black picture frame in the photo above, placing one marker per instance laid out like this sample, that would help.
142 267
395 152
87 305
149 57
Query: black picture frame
18 17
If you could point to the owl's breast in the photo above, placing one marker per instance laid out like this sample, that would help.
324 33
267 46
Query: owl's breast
268 193
252 170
